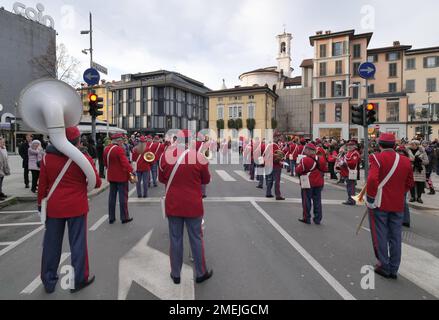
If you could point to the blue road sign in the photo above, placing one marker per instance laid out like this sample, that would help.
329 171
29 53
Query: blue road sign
367 70
92 76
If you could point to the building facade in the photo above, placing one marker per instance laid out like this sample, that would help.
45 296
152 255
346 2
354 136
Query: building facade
103 91
156 102
28 51
421 74
243 103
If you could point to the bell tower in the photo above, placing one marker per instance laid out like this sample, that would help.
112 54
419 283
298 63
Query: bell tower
284 54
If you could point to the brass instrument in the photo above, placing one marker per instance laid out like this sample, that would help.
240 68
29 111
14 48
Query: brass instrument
359 198
208 155
149 157
279 156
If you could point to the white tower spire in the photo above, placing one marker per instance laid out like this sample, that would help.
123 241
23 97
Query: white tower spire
284 54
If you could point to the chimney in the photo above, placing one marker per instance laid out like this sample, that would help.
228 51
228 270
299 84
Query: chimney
328 32
319 33
396 43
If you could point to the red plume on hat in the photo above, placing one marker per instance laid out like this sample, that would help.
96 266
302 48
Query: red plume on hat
72 133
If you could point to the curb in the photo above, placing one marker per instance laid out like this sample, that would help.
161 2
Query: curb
27 199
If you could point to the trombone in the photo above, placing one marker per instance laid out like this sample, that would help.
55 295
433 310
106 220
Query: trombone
359 199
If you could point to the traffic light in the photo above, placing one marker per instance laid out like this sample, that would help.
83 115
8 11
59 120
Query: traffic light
430 130
357 115
371 110
95 104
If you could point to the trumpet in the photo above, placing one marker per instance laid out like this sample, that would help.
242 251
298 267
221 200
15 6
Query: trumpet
208 154
149 157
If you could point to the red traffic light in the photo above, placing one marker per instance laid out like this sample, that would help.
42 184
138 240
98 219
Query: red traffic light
371 107
93 97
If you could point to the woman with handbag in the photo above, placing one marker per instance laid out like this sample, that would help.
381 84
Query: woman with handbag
35 153
4 167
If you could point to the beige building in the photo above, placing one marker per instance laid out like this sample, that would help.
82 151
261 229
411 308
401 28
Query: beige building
256 102
102 91
421 74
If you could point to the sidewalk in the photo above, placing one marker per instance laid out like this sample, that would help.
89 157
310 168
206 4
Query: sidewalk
430 202
14 188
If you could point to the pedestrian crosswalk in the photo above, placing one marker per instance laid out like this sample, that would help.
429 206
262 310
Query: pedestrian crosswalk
236 175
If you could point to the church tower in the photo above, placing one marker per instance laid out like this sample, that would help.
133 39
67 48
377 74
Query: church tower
284 54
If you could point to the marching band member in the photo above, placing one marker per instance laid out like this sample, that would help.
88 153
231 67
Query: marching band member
184 205
273 170
119 174
157 148
68 204
390 178
311 170
292 154
349 171
142 168
259 171
332 159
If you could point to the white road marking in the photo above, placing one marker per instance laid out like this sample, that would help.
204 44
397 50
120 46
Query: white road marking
242 199
291 179
244 175
345 294
419 267
37 281
5 244
132 192
20 224
144 265
99 223
225 176
17 243
16 212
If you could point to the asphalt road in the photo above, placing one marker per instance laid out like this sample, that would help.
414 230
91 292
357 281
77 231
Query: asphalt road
257 248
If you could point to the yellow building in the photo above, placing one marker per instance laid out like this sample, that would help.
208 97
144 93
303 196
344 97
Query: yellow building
101 91
256 102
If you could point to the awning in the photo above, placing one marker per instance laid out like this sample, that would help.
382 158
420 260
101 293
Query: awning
86 129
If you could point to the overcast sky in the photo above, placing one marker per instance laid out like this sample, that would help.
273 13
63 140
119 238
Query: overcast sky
211 40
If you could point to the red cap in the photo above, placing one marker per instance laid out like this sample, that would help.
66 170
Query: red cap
156 138
117 136
311 146
302 140
387 137
72 133
142 139
149 137
352 143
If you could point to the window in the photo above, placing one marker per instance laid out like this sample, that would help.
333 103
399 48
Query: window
220 99
338 88
356 90
251 97
431 62
337 49
371 89
357 51
392 87
338 112
393 70
322 113
412 112
323 69
356 67
322 89
393 111
220 112
338 67
235 112
410 86
411 64
251 110
323 51
372 58
431 85
393 56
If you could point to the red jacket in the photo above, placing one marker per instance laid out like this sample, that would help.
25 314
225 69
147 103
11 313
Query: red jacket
142 165
157 148
352 161
332 157
184 198
119 169
69 199
316 177
394 192
269 158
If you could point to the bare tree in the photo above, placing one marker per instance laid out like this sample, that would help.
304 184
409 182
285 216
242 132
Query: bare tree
57 63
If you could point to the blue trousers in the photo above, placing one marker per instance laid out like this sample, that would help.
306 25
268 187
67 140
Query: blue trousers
142 179
386 230
274 179
195 232
52 249
292 167
312 197
122 189
204 190
154 171
350 187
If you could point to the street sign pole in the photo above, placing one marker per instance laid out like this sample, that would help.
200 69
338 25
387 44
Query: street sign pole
366 134
93 119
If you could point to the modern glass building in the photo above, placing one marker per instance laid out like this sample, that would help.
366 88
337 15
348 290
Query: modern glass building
156 102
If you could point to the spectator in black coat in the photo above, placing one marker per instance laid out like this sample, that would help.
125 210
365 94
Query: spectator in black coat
23 151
